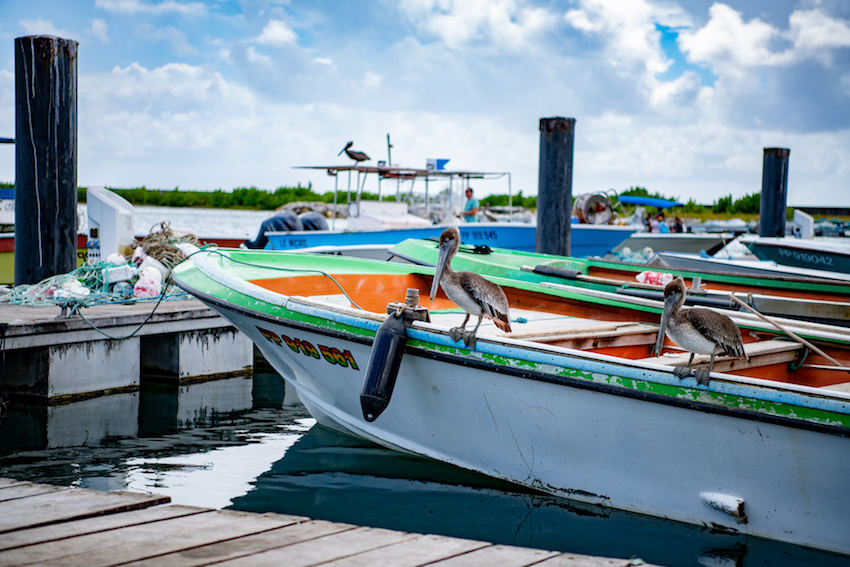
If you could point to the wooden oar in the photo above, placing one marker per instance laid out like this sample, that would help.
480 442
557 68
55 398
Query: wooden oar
797 338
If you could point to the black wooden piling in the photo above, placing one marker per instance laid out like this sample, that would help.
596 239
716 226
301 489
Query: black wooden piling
45 157
555 185
774 192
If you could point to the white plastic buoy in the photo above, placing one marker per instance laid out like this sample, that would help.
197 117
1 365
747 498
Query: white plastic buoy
116 259
151 262
151 273
146 288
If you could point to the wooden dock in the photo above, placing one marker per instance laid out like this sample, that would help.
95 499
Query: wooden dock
60 359
51 525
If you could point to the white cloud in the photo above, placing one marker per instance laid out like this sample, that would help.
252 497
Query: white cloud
505 24
138 7
169 35
727 41
43 27
323 61
277 33
629 30
99 30
256 57
730 44
815 33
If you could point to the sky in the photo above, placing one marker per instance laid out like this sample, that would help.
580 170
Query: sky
679 97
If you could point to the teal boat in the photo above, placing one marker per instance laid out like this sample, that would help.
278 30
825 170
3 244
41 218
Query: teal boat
569 401
830 254
807 299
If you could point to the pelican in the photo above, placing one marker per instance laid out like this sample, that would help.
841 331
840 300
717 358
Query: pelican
353 154
471 292
695 329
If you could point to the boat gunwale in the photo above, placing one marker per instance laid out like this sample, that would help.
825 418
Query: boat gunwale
595 262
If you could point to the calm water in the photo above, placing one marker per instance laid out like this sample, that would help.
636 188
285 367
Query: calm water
245 444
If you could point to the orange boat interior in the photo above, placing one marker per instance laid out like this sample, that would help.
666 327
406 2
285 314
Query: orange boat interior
596 327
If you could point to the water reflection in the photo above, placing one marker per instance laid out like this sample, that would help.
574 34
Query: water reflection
247 444
335 477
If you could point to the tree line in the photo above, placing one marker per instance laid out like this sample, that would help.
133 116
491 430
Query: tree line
260 199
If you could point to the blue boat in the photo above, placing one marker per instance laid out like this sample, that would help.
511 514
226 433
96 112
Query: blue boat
386 223
585 239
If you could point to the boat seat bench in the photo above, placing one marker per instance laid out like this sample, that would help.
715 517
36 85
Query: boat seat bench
762 353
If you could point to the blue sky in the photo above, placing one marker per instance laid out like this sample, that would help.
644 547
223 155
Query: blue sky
678 97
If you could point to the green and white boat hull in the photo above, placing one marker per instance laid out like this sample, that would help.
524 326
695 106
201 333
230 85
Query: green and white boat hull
742 455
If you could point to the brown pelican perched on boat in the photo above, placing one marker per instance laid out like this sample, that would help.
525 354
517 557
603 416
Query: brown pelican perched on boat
471 292
353 154
696 329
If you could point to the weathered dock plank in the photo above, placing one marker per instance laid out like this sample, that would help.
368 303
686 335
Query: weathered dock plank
501 555
423 550
133 543
27 490
248 545
65 505
77 527
53 532
305 554
8 482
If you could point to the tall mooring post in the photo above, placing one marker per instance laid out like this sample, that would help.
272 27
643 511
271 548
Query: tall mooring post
774 192
555 185
45 157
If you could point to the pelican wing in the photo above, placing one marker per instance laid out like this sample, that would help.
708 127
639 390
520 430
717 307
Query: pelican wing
489 296
719 329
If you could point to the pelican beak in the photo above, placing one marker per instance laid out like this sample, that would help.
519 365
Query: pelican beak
442 260
669 303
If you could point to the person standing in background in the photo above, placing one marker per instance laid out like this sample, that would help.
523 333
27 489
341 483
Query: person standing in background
470 209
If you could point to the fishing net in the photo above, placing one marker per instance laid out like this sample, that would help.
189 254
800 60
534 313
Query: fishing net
90 284
163 244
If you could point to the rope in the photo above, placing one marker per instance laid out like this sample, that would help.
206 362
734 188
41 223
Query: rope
800 340
305 270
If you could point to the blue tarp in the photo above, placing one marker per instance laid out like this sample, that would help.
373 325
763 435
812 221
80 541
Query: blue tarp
649 202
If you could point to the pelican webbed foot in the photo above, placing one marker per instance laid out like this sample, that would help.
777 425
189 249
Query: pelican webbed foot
681 372
458 333
703 377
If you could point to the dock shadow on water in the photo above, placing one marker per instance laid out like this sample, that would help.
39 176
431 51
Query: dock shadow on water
247 444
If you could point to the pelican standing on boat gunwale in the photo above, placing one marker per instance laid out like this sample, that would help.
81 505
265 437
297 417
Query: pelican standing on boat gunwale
471 292
697 330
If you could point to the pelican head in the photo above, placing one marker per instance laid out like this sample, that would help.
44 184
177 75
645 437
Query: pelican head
449 243
674 298
348 145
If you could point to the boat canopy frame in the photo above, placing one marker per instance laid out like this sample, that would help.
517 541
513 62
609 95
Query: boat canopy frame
398 173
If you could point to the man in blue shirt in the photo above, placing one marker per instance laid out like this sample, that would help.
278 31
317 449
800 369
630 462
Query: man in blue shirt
470 210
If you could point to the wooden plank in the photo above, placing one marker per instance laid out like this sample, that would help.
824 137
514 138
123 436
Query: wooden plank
326 549
64 530
28 490
762 353
145 541
501 555
248 545
411 552
576 560
65 505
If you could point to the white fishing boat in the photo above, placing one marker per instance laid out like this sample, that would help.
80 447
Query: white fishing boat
569 402
751 267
